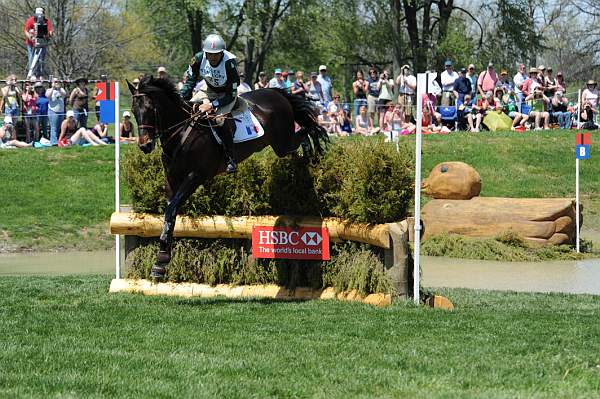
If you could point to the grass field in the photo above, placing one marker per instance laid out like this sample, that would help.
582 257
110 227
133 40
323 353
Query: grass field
65 337
62 198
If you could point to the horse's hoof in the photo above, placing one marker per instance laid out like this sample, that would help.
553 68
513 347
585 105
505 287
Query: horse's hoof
158 273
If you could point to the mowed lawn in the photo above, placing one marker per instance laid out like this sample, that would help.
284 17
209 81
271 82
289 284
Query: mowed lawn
57 198
66 337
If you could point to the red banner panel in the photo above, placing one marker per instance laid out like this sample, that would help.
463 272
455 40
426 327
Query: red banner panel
309 243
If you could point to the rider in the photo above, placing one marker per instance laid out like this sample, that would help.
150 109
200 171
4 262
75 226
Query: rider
218 67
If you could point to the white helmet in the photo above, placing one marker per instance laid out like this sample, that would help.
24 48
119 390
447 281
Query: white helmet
213 44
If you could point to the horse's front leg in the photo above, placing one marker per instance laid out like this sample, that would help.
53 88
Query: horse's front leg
163 257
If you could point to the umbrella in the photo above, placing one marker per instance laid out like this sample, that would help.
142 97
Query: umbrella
497 121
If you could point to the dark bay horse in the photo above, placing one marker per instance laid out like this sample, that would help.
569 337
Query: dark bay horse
191 157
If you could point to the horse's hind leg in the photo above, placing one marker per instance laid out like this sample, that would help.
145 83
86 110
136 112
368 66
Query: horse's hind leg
163 257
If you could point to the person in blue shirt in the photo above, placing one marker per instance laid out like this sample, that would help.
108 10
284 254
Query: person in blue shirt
462 86
326 85
42 111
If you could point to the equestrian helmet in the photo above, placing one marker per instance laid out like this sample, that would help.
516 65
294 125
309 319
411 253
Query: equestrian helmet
213 44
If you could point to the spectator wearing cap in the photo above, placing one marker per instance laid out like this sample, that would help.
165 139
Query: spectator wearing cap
504 82
472 76
448 77
243 87
162 72
285 82
136 82
550 84
518 80
29 98
462 86
560 110
41 104
299 87
79 101
56 109
71 135
326 84
407 85
126 129
531 82
262 82
315 92
373 93
8 135
589 101
277 80
345 120
487 80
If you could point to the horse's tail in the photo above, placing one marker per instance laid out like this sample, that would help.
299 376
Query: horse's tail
306 115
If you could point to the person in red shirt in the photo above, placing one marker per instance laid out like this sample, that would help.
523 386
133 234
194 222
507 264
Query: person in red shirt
38 31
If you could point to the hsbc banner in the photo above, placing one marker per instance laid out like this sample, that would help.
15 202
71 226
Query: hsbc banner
309 243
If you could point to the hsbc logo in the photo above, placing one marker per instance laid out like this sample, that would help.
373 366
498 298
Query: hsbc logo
311 238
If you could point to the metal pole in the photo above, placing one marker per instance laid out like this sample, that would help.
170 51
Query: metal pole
417 241
577 204
578 108
117 179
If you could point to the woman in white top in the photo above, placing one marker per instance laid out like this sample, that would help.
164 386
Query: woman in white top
363 124
56 109
386 93
589 102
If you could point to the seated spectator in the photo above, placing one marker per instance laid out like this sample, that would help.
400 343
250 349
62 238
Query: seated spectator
448 77
510 102
11 101
475 113
363 124
277 80
345 120
589 105
560 112
41 104
100 130
498 96
550 83
539 108
560 82
429 108
315 93
329 123
487 80
29 98
243 87
394 122
407 86
71 135
79 102
464 109
299 87
360 87
262 82
126 129
462 86
8 135
334 106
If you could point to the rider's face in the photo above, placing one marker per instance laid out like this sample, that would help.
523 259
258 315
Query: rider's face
214 58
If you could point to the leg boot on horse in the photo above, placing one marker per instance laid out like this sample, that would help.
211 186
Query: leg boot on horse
226 130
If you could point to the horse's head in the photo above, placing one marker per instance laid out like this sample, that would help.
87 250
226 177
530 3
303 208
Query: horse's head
150 109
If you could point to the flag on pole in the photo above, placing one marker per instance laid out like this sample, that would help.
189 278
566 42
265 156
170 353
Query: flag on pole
107 111
106 91
584 138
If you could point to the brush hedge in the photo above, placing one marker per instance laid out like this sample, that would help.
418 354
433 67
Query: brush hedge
360 180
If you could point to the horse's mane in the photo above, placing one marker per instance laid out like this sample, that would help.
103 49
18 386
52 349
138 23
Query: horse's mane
150 85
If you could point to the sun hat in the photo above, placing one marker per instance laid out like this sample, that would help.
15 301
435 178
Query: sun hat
591 82
533 70
541 68
39 11
84 80
503 72
126 114
262 73
322 68
161 69
70 114
471 66
559 73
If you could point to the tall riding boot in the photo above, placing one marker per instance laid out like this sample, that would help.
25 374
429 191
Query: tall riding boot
226 132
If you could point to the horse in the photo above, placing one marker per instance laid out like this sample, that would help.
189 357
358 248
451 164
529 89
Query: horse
190 153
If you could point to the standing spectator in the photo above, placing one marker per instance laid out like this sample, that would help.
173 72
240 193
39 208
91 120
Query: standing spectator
11 103
372 93
560 110
56 109
539 108
162 72
29 98
326 84
386 94
42 111
560 82
79 102
277 80
448 78
243 87
315 92
360 88
504 82
38 31
285 82
472 76
299 87
487 80
262 82
363 124
550 84
462 86
407 85
518 80
589 101
290 79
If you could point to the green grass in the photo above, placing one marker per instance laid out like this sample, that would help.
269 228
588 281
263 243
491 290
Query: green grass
62 198
66 337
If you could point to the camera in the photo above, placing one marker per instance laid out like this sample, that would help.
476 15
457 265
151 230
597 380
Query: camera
41 30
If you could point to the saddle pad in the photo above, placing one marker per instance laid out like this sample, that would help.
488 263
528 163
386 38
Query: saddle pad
247 127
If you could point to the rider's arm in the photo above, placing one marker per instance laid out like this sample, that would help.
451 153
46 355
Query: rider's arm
233 81
193 76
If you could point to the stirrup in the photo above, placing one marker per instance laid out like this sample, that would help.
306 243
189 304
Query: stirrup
231 166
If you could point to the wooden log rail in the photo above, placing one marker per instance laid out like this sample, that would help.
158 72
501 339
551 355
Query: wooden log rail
146 225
